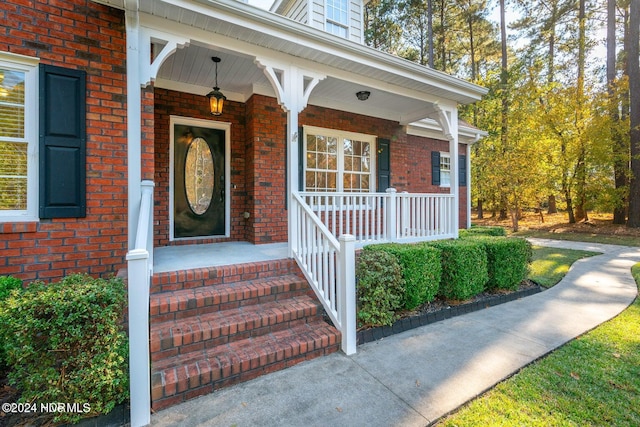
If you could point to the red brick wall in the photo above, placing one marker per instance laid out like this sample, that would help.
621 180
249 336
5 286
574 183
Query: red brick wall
266 165
77 34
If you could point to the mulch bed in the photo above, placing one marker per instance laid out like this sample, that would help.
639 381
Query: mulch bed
440 309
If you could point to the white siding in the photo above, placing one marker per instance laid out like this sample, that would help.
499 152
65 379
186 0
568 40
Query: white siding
298 11
355 22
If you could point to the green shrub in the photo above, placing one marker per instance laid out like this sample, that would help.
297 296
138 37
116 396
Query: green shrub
65 343
380 288
464 268
507 261
421 270
483 231
7 285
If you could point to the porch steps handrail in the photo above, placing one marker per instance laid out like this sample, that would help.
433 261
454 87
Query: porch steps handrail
329 266
139 271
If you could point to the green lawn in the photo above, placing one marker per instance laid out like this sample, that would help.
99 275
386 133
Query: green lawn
549 265
592 381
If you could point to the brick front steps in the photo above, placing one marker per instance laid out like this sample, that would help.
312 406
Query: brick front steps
218 326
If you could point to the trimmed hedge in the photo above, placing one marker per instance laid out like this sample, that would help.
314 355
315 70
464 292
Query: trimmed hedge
508 261
421 270
464 268
65 343
482 231
380 288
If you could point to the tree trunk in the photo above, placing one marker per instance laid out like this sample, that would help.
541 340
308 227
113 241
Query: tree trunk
619 147
504 127
553 208
581 166
480 209
634 91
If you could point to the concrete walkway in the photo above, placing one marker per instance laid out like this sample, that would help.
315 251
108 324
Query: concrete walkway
414 378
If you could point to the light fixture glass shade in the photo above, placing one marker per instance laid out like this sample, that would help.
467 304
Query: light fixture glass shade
363 95
216 101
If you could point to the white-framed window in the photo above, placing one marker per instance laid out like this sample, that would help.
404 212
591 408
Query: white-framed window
337 17
18 138
338 161
445 170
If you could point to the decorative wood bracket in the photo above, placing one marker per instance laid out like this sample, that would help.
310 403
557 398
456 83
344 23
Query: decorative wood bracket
293 86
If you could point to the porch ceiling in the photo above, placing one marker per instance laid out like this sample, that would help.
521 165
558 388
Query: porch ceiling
190 69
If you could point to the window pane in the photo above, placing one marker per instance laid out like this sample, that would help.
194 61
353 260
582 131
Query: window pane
310 181
332 183
348 146
12 103
332 161
13 176
332 145
445 178
311 143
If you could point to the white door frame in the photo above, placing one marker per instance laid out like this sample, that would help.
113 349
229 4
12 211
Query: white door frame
209 124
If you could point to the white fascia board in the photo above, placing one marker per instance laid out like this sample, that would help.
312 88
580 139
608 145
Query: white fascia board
429 128
283 28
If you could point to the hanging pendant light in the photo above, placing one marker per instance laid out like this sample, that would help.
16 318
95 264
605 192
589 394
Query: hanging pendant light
216 98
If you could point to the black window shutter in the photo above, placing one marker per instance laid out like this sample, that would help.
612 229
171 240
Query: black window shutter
301 160
384 164
435 168
462 170
62 142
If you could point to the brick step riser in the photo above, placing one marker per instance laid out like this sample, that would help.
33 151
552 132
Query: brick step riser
196 376
203 303
202 277
207 336
187 349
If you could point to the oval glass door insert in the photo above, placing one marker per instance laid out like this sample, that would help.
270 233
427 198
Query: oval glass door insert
198 176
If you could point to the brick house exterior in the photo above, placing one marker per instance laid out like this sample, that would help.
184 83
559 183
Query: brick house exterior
77 35
100 100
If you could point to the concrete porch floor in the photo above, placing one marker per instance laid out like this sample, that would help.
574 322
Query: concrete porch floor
182 257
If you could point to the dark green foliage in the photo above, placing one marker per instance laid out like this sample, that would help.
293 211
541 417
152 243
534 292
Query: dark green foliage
8 284
508 261
464 268
380 288
65 343
421 270
483 231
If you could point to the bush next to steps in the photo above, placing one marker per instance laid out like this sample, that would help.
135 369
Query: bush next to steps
464 268
65 343
507 261
8 284
380 288
421 270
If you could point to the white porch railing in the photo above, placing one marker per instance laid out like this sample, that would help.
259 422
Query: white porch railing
328 264
139 270
384 217
328 261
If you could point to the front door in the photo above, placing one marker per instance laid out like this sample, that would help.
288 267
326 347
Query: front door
198 181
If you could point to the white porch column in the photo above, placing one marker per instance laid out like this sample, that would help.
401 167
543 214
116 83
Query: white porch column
447 117
293 87
134 117
468 169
